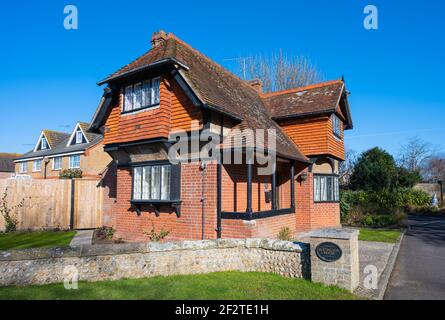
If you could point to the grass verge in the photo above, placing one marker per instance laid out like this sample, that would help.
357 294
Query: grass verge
379 235
41 239
213 286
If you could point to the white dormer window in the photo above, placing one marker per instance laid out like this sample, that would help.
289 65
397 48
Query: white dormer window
79 137
142 95
44 144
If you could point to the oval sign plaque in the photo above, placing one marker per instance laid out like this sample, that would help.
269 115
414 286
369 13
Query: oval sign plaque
328 252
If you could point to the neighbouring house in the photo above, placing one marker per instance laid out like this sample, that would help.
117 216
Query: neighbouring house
7 165
174 89
57 151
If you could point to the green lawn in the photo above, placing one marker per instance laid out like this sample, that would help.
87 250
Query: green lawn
216 286
25 240
379 235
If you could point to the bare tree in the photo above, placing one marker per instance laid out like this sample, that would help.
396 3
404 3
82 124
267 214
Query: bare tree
279 71
434 170
347 167
415 153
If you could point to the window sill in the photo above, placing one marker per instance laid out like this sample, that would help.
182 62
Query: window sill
151 107
156 204
320 202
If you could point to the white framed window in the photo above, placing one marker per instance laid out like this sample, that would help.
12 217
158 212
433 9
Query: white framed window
337 126
326 188
142 95
23 167
44 143
75 161
37 166
152 182
79 137
57 163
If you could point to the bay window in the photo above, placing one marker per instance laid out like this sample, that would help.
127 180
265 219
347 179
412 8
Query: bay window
326 188
142 95
157 182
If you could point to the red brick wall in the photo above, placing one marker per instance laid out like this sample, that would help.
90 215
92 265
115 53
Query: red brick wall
131 227
312 215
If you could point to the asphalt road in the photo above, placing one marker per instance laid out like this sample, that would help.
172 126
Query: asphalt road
419 273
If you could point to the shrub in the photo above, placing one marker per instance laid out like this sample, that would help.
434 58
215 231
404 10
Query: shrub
379 221
157 236
105 233
359 207
9 214
285 234
70 174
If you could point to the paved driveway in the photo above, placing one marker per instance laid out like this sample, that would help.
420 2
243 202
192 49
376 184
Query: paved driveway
420 268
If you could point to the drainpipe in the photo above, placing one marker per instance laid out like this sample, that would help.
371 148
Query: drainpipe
219 183
203 199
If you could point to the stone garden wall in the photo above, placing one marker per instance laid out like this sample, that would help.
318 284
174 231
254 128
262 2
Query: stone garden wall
111 262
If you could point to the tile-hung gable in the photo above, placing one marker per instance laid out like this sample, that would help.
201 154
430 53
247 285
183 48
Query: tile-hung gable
312 100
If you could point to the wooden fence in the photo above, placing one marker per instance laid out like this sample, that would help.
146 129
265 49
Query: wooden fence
50 204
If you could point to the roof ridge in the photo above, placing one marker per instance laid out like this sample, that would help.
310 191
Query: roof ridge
46 130
308 87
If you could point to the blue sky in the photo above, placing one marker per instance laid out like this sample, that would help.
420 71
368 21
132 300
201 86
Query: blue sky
395 74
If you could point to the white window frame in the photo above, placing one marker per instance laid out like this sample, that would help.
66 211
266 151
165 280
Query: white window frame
44 143
54 163
321 184
73 164
135 94
79 136
23 167
36 168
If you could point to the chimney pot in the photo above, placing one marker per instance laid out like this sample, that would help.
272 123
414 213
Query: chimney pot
158 38
256 84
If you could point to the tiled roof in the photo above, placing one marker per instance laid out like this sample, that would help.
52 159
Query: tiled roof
7 162
89 135
54 137
313 99
217 88
58 142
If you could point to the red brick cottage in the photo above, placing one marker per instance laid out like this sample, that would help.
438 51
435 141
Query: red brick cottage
175 88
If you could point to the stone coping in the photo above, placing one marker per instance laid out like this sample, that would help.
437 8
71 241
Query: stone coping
335 233
134 248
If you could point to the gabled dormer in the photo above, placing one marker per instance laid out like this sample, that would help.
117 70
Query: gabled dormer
79 136
43 142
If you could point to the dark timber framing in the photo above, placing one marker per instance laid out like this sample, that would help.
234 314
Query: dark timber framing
249 214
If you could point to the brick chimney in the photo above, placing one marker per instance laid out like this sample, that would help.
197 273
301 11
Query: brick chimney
158 38
256 84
